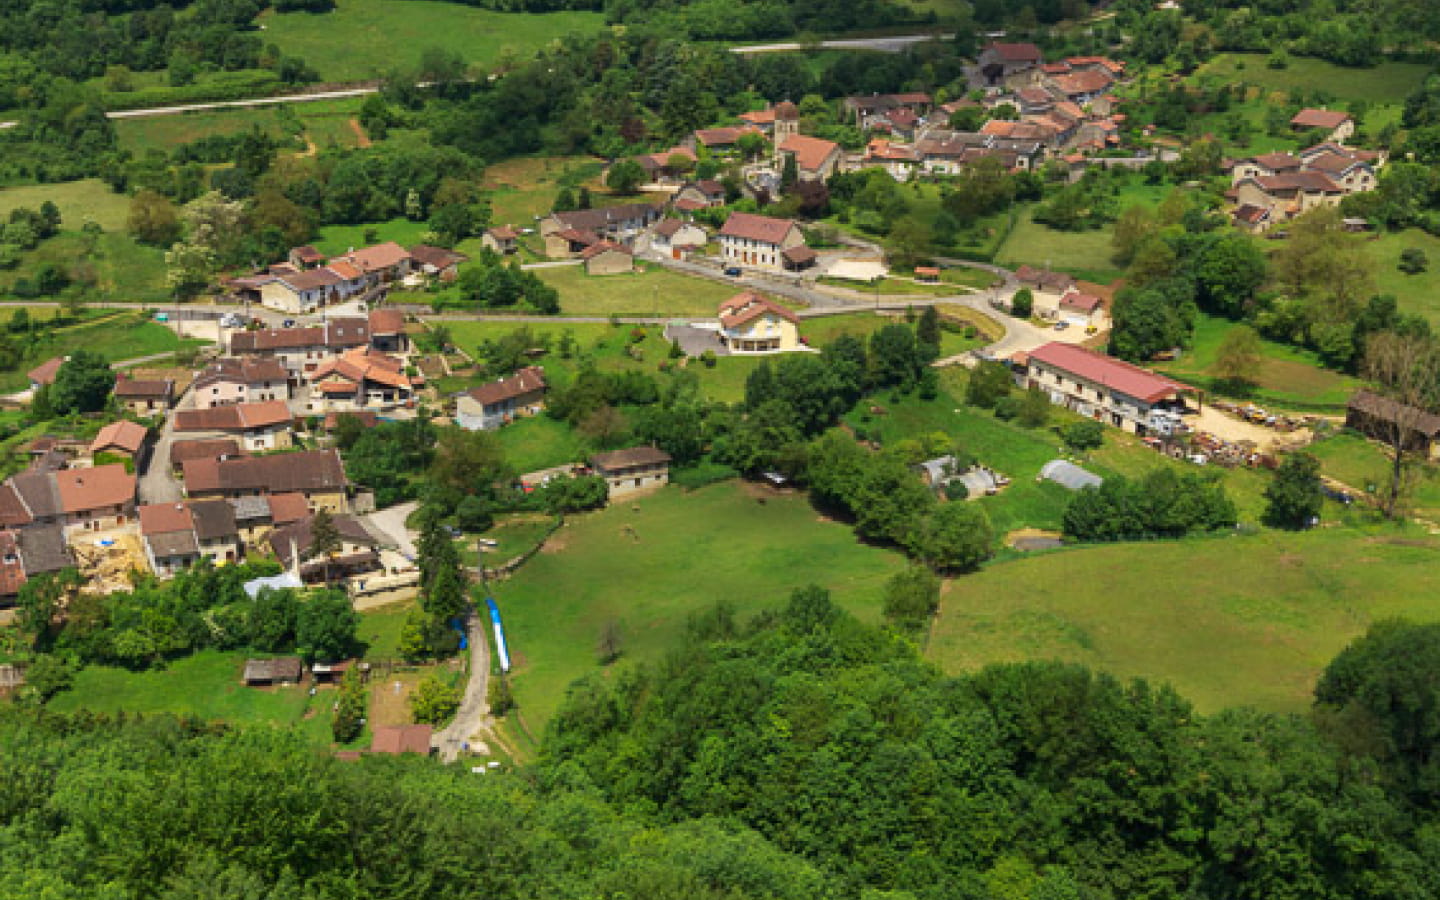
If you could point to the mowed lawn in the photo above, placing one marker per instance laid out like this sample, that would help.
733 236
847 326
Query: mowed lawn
165 133
1083 253
362 39
525 188
1386 83
653 561
1288 375
653 292
337 239
87 199
1418 294
207 685
118 337
1228 621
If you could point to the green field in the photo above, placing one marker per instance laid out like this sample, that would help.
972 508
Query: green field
539 442
1085 254
523 189
126 335
1387 83
650 562
337 239
325 123
1363 465
207 685
363 39
654 292
1288 375
1418 294
87 199
1257 635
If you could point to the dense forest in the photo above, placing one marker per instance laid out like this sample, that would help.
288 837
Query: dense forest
797 755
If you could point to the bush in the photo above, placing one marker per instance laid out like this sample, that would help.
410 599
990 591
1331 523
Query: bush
1007 408
1413 261
1082 436
956 490
434 702
1023 304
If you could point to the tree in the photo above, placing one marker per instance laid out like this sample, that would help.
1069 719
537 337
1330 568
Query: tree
956 537
927 333
82 384
498 696
467 462
1034 408
1238 360
189 269
324 539
152 219
433 702
326 625
1402 368
1022 304
611 642
625 177
350 705
1413 261
1293 499
1084 435
988 383
895 360
911 597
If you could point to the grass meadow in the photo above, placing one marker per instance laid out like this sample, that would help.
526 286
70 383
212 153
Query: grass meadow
652 292
1258 635
524 188
1386 83
363 39
88 199
1418 294
653 561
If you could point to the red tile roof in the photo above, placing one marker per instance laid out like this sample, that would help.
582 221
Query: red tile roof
810 152
88 489
380 256
45 372
401 739
238 417
1086 303
127 436
308 470
288 507
164 518
1319 118
1017 52
756 228
214 448
525 381
742 308
1119 376
595 250
159 389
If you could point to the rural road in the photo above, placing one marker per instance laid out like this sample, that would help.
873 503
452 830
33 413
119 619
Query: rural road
473 717
893 44
157 484
390 522
310 97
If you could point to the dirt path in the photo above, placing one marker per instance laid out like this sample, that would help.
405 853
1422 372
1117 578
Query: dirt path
472 723
362 139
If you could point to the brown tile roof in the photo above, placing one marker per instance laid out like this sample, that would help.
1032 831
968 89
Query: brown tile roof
710 188
144 389
718 137
799 255
310 279
289 507
307 253
749 305
298 534
210 448
810 152
1044 279
236 417
1251 215
598 219
38 492
96 488
762 117
396 739
122 435
1319 118
12 570
787 110
439 257
502 233
380 256
1385 409
12 509
286 668
595 250
347 270
1091 81
245 370
668 227
756 228
1082 302
43 549
525 381
1017 52
308 470
363 364
213 519
164 518
1306 182
1276 162
1332 163
629 458
45 372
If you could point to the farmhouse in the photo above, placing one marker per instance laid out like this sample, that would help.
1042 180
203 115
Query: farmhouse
204 448
1380 417
1287 196
302 349
502 239
750 323
437 262
247 379
632 470
144 397
700 195
500 402
361 378
1337 126
674 238
1106 389
95 499
124 439
316 474
358 553
759 241
815 159
1000 63
168 534
621 224
381 263
258 426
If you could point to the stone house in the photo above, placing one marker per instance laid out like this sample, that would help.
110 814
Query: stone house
632 470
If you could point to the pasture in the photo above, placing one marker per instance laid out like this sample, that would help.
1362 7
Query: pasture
89 199
1419 293
364 39
653 561
1259 635
523 189
651 292
1386 83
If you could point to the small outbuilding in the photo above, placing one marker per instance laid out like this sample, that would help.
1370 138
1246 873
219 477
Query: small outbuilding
632 469
397 739
281 670
1069 476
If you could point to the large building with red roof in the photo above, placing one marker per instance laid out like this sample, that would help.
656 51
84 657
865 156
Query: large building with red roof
1107 389
747 239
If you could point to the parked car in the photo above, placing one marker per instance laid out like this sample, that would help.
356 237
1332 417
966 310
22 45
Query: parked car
1061 326
289 323
733 272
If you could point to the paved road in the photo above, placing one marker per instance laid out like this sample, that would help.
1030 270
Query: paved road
473 717
157 484
894 44
310 97
390 522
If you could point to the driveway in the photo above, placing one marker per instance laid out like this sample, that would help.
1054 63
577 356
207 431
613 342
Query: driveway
471 725
156 483
695 341
389 525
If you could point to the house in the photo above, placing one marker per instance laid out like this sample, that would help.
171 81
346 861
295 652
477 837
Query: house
868 111
144 397
1265 164
43 549
258 426
216 530
381 263
1380 417
296 293
359 379
397 739
569 243
204 448
632 470
896 159
95 499
31 497
44 374
358 553
305 257
722 139
621 224
256 516
1106 389
387 331
999 63
1287 196
660 167
1080 308
266 672
675 238
759 241
1253 219
1082 87
1044 280
502 239
700 194
608 258
500 402
248 379
302 349
123 438
1337 126
750 323
318 475
816 159
437 262
168 534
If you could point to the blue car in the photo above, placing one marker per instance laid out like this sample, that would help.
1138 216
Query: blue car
733 272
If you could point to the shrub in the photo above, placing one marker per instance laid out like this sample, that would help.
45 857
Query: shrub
1022 304
1082 436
